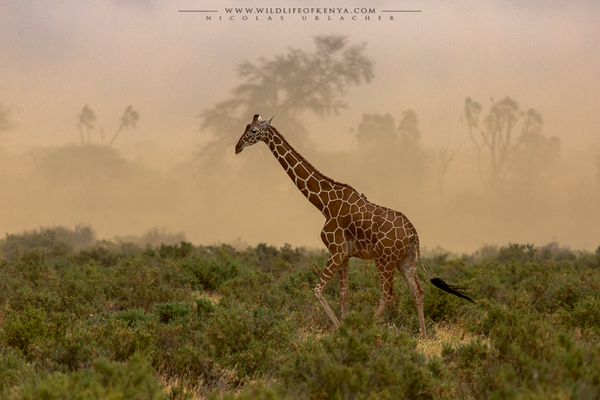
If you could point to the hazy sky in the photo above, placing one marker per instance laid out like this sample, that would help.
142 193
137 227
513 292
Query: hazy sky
57 56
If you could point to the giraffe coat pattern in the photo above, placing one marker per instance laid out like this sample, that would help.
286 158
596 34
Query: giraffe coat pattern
354 226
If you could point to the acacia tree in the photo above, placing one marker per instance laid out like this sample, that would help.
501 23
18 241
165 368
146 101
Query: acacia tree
507 149
287 86
86 120
128 120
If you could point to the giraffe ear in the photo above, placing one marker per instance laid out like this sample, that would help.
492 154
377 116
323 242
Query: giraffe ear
268 122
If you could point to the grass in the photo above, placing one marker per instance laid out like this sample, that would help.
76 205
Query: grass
212 322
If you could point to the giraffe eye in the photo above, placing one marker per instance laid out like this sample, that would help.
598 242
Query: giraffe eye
254 130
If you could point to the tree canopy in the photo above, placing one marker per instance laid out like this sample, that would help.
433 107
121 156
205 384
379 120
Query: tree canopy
503 153
287 86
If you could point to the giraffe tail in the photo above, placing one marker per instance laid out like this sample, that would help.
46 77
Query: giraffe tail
437 282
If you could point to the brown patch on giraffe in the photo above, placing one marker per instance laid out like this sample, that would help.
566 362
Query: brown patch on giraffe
290 159
301 172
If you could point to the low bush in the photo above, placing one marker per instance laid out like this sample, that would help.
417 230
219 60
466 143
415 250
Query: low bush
182 321
105 380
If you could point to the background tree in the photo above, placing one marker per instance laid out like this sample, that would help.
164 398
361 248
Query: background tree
377 132
442 158
287 86
495 135
509 156
392 150
128 120
87 118
535 153
409 131
5 123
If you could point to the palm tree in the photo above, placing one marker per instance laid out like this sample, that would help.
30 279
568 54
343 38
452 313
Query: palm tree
129 119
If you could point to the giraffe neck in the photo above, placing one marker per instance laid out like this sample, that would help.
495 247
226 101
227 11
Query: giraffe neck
312 184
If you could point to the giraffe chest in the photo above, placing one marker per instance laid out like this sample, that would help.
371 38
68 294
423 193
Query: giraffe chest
361 239
361 249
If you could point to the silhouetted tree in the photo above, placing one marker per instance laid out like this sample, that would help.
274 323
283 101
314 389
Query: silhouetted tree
521 156
377 132
128 120
287 86
535 153
409 130
390 148
5 123
442 158
87 118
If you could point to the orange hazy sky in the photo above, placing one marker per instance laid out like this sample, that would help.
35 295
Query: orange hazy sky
58 56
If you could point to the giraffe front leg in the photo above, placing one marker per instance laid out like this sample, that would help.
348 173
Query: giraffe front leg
334 262
344 272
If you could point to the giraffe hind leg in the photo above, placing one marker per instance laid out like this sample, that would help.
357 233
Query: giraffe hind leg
409 271
386 282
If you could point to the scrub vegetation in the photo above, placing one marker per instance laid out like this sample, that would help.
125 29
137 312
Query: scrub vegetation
118 320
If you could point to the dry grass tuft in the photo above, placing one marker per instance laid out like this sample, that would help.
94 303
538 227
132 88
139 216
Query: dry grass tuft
213 297
200 390
443 333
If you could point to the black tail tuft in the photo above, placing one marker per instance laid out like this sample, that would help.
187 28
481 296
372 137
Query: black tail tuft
449 288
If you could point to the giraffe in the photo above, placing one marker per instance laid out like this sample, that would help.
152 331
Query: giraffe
354 227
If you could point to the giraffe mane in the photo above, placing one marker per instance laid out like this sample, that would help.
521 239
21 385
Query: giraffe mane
332 181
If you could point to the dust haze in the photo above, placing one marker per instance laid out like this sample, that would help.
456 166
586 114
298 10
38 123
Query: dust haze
478 121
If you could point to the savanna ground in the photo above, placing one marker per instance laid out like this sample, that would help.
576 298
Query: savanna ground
116 320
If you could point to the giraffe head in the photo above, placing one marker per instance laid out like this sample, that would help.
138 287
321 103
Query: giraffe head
255 131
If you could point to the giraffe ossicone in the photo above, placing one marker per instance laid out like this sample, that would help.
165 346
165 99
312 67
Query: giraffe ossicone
354 227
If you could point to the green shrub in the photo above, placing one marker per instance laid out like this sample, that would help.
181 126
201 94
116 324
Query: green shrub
587 314
257 392
13 368
245 338
133 316
194 369
119 342
23 329
72 351
204 307
516 252
101 254
441 306
181 250
536 320
140 285
168 312
352 365
105 380
45 241
212 271
561 295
